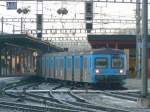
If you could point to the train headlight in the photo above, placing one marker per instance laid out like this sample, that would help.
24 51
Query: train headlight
97 71
121 71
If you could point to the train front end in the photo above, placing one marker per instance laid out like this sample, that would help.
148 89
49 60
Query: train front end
110 67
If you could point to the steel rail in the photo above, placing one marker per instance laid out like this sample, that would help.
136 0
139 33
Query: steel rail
79 99
55 103
34 108
49 102
88 105
117 95
11 106
87 109
136 95
96 107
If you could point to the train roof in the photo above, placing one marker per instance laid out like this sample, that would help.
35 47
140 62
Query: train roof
107 51
93 51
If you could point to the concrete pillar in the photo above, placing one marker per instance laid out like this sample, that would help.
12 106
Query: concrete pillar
20 60
13 60
15 54
8 61
10 66
27 61
31 57
34 63
6 64
0 63
23 61
2 23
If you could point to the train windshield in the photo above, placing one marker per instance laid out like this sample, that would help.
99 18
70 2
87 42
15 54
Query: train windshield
117 61
101 62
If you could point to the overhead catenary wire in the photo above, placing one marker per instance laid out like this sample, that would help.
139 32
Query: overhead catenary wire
111 1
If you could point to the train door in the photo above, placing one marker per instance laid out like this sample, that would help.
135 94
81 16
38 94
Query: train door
61 68
69 68
86 69
72 68
49 66
56 67
81 68
77 68
46 66
65 67
52 67
43 66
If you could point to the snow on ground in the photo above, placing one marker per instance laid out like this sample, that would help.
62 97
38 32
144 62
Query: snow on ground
131 84
135 83
6 80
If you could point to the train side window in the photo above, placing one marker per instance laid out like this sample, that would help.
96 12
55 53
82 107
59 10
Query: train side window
101 62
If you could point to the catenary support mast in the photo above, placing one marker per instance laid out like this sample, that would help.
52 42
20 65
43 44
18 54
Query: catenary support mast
144 47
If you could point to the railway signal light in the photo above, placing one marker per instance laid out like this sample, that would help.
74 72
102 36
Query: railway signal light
62 11
23 10
89 15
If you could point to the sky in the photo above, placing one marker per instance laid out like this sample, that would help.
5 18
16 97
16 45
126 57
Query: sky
109 18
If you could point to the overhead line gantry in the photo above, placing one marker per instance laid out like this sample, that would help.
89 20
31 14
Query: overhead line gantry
108 1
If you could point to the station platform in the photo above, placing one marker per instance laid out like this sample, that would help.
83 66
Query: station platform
135 83
7 80
19 53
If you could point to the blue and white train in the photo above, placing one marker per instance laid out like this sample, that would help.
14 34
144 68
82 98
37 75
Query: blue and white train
96 66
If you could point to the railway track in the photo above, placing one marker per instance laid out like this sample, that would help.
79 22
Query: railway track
51 100
67 100
81 102
121 96
21 107
128 93
33 108
49 104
